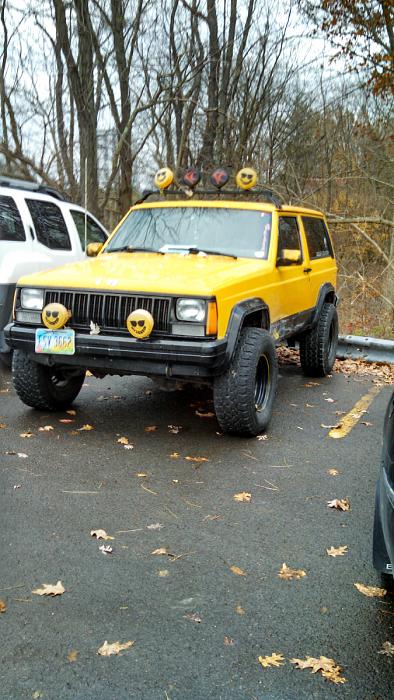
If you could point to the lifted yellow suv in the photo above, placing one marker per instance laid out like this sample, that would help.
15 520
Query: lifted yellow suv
197 286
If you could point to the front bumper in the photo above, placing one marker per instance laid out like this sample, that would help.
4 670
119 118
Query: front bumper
115 354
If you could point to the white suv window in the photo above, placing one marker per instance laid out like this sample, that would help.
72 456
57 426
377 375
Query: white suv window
11 226
49 224
94 233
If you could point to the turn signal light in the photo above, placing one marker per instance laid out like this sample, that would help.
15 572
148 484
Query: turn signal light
212 319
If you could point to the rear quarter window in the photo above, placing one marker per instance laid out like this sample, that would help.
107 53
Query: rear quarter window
51 229
317 238
11 225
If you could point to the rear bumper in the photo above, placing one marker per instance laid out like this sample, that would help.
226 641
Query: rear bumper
122 355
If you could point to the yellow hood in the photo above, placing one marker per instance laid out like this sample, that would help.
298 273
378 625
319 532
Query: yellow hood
150 272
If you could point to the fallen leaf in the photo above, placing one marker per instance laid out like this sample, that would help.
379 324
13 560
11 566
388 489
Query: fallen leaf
143 475
175 455
196 459
175 481
2 606
106 549
163 574
10 453
204 415
192 617
27 435
288 574
73 656
339 413
332 471
2 425
72 413
243 497
65 420
363 422
355 415
151 427
239 609
330 400
4 391
228 642
174 429
262 437
46 428
22 455
36 695
162 550
237 570
101 535
86 427
309 405
123 441
115 648
74 432
387 649
341 505
371 591
326 666
129 447
273 660
89 374
17 486
331 427
149 393
94 330
336 552
50 590
156 526
117 397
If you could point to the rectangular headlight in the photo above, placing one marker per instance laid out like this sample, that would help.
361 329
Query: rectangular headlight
191 310
32 299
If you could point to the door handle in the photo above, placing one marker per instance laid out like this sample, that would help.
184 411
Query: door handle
307 269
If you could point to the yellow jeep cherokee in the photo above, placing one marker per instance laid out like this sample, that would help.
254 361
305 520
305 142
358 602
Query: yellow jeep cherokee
197 286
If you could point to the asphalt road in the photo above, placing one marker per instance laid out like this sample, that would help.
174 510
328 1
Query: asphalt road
74 481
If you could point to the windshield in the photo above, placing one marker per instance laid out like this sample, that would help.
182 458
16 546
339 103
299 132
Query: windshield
237 232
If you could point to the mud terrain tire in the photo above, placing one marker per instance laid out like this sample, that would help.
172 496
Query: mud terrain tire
318 347
42 387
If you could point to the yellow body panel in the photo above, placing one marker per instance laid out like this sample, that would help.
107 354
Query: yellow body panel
286 290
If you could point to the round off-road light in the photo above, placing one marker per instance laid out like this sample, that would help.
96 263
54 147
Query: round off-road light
55 316
163 178
140 323
246 178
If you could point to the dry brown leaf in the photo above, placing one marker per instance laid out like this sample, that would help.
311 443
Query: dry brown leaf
2 606
237 570
154 526
330 400
151 427
123 441
163 573
73 656
46 428
161 550
50 590
273 660
228 642
192 617
333 675
4 391
71 413
101 535
175 455
262 437
363 422
2 425
142 475
339 413
196 459
174 429
239 609
204 415
106 549
332 471
74 432
340 505
309 405
371 591
115 648
332 552
28 434
387 649
321 664
129 447
86 427
288 574
17 486
331 427
243 497
66 420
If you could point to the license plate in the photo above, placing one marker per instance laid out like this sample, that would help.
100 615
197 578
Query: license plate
55 342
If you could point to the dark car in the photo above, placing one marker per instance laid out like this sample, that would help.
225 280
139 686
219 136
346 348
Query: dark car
383 531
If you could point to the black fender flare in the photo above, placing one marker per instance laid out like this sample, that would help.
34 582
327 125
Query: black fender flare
238 314
326 290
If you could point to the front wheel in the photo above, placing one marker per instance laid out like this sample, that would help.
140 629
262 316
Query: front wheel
244 394
318 347
42 387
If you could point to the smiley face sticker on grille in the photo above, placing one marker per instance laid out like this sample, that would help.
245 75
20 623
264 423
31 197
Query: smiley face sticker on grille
140 323
55 316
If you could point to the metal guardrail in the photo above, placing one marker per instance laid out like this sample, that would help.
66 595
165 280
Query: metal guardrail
365 348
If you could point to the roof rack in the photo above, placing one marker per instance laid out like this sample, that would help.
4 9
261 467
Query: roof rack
217 193
18 184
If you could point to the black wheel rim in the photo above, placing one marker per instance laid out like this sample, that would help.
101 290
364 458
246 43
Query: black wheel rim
59 380
261 391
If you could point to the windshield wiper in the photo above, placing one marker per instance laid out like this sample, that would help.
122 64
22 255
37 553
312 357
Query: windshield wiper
131 249
211 252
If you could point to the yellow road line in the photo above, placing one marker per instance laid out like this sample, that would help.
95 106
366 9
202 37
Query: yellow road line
349 421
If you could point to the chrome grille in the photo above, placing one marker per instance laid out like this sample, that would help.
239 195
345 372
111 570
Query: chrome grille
110 311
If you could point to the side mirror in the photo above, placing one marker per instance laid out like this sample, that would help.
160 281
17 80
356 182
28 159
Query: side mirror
93 249
289 257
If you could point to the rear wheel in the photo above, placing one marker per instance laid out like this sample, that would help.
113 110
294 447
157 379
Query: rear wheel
318 347
43 387
244 394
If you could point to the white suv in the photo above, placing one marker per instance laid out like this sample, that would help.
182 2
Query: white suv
39 230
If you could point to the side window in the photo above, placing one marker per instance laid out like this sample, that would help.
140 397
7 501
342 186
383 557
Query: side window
316 234
95 234
11 226
289 242
49 224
